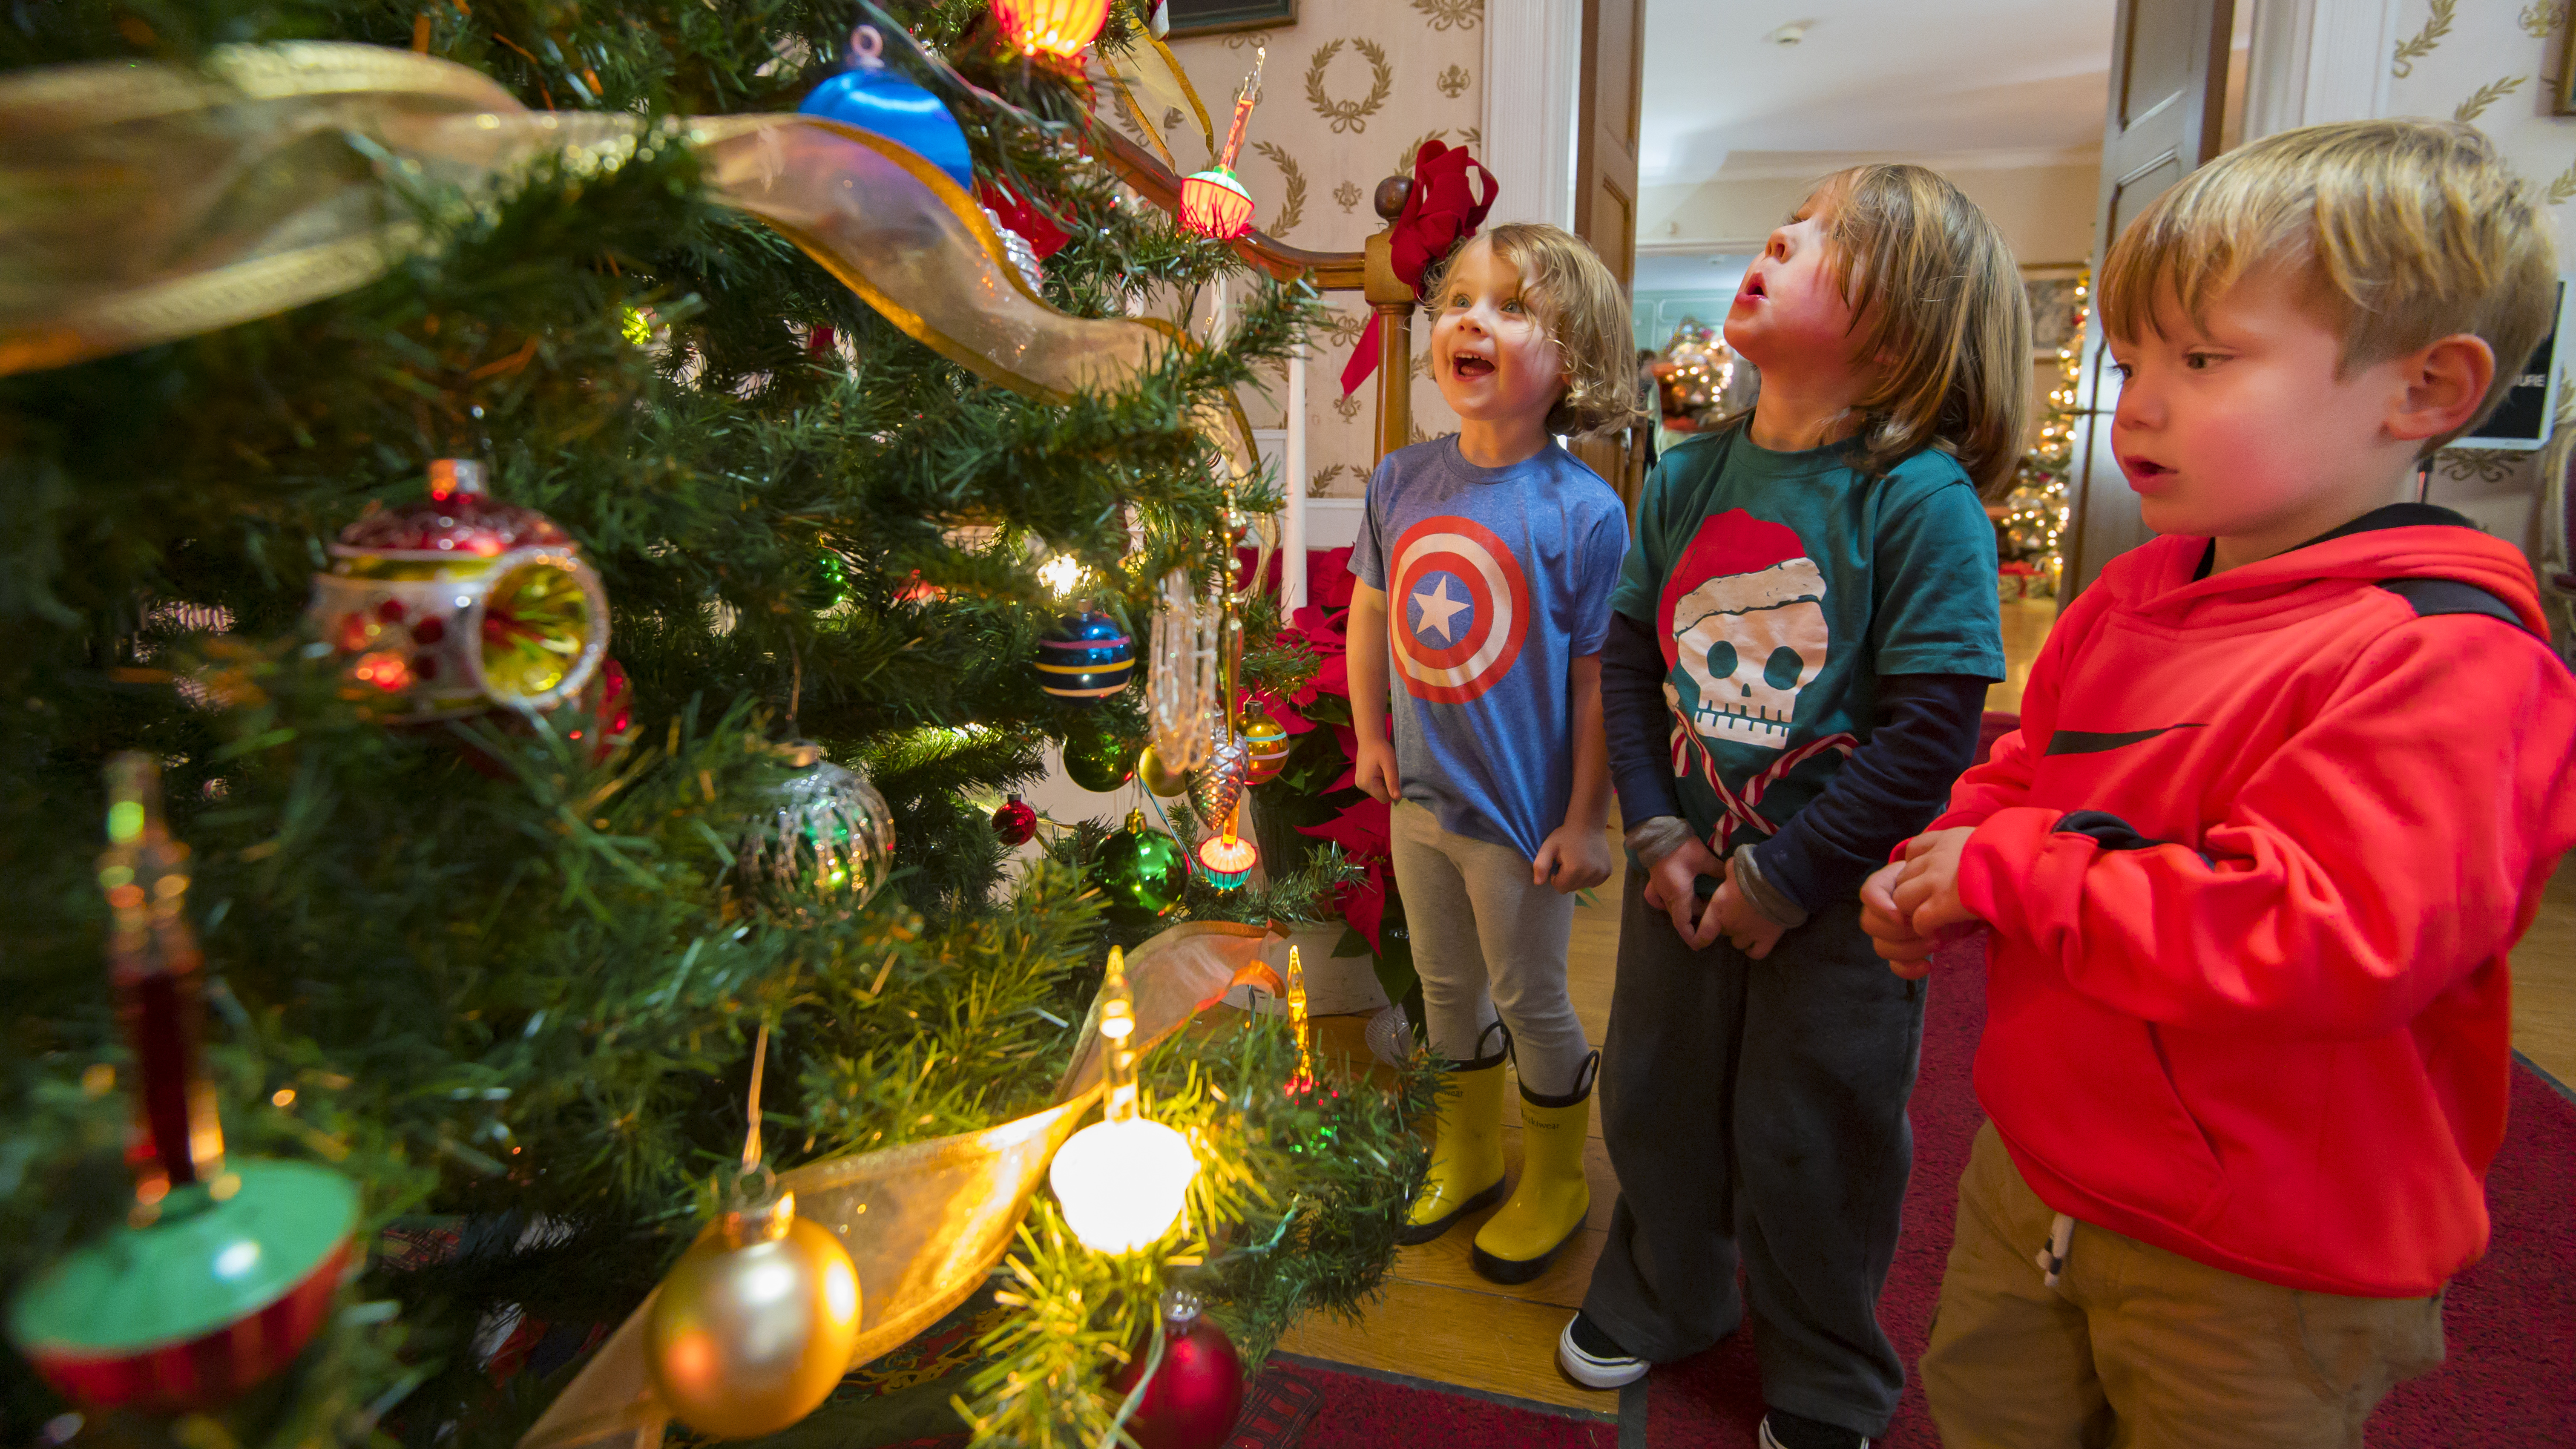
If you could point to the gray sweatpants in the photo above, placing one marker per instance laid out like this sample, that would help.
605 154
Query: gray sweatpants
1486 941
1757 1109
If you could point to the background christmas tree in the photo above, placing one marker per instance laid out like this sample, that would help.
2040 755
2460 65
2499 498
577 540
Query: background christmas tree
2035 511
494 972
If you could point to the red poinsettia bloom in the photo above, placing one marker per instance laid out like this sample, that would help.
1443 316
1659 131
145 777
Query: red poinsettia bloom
1361 831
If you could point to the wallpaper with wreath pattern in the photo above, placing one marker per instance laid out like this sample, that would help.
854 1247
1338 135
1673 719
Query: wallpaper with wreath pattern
1352 91
2494 63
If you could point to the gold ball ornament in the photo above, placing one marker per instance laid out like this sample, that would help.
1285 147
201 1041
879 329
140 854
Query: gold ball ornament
1158 778
1266 743
755 1324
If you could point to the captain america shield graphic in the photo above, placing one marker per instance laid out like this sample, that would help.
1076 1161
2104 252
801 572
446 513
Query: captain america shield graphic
1465 609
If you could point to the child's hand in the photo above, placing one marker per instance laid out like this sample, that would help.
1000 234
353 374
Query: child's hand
1578 858
1746 928
1927 890
1672 887
1373 769
1891 931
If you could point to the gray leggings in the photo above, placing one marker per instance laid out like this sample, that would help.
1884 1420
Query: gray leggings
1485 940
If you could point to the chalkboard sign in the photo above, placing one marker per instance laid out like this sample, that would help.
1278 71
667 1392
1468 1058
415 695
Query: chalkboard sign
1207 17
2523 419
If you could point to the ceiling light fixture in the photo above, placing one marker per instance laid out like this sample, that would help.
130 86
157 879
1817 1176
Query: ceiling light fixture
1789 34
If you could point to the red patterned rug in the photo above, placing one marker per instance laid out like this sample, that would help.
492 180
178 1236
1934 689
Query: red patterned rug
1299 1403
2510 1378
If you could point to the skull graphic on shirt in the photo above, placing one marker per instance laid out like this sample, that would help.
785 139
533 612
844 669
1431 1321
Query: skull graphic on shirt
1746 642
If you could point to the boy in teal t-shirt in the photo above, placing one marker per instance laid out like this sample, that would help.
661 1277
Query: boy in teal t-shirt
1781 588
1799 649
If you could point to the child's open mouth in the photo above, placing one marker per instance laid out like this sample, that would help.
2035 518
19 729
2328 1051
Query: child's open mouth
2144 472
1753 286
1468 364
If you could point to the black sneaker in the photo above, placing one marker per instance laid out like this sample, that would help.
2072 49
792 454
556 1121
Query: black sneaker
1594 1359
1783 1430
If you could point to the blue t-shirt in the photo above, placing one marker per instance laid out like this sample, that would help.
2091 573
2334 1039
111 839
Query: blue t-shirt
1497 579
1782 586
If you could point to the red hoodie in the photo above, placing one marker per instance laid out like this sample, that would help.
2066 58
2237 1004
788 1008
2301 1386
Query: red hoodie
2253 863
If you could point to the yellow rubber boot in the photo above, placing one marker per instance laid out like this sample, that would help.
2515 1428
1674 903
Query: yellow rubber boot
1466 1148
1515 1244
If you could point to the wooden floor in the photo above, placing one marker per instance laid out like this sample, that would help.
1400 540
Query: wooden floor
1438 1321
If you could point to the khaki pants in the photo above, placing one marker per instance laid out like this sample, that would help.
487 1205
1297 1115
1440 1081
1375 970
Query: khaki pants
2140 1346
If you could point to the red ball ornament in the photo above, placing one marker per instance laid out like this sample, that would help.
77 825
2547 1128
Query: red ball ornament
1197 1394
1015 822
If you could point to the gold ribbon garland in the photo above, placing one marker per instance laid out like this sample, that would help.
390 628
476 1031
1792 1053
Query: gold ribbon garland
140 203
925 1223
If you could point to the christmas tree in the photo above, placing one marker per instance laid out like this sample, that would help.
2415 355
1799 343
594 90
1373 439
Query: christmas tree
508 970
2035 511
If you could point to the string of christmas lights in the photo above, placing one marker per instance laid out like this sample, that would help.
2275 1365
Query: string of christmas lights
2036 511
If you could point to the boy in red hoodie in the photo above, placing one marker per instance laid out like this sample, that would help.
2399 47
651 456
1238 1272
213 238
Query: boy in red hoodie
2288 785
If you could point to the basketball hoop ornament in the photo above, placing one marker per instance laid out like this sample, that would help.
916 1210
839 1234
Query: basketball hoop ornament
1213 202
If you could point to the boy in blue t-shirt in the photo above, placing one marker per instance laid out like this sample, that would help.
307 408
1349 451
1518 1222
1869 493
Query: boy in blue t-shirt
1499 551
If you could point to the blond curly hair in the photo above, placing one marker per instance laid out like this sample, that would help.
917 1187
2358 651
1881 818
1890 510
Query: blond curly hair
1584 312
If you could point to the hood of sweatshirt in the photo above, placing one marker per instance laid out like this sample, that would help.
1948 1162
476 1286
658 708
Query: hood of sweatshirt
2161 583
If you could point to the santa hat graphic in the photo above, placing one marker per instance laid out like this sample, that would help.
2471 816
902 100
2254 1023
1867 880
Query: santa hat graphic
1737 562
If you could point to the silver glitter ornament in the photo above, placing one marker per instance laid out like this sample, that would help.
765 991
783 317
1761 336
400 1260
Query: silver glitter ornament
826 848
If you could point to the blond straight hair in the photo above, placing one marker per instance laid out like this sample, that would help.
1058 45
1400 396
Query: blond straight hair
1582 309
2400 232
1937 298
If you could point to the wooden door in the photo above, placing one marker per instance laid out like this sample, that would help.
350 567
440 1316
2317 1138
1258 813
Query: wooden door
2168 91
1605 186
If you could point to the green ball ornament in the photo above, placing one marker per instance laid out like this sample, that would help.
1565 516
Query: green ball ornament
1141 869
1100 763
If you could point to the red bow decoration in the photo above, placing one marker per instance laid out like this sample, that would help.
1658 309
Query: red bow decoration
1442 211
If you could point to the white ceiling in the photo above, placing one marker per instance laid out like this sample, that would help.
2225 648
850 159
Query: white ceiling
1910 78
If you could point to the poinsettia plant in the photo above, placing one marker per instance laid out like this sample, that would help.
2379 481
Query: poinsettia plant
1301 676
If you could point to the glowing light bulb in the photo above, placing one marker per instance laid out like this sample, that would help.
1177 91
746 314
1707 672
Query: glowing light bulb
1122 1184
1124 1180
1061 574
1059 28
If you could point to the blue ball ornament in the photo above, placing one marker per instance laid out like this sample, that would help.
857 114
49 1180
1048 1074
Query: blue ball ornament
1086 657
884 103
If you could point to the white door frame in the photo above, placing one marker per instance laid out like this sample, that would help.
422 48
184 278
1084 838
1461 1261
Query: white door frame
1533 59
2314 61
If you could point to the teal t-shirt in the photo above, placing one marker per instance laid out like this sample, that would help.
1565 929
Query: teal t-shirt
1782 586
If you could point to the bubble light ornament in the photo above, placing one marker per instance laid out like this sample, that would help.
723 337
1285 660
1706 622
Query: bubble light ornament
1122 1181
222 1270
1213 202
1304 1080
1226 858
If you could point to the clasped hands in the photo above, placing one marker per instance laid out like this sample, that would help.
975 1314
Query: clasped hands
1907 906
1672 886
